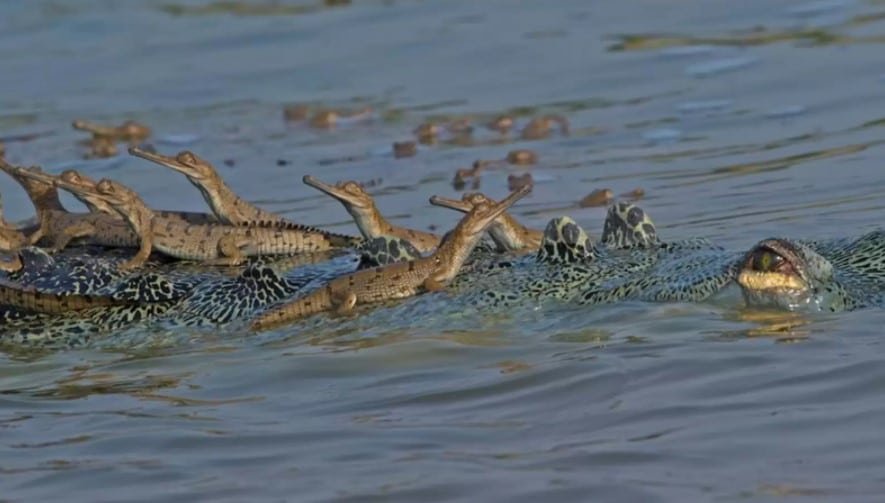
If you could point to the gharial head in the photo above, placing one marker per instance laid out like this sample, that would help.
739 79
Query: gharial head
628 226
39 185
116 194
350 193
475 222
71 179
198 170
790 275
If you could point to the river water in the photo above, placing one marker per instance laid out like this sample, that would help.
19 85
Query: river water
740 120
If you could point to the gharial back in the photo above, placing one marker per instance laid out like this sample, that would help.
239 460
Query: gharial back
858 265
630 263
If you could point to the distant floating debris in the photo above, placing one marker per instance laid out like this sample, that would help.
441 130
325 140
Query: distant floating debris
704 106
178 139
686 51
786 112
811 9
662 135
720 66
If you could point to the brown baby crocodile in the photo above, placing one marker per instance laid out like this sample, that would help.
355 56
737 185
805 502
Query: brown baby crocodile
395 281
218 244
371 223
129 131
225 203
506 232
59 227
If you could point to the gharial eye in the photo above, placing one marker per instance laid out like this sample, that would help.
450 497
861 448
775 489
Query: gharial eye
765 260
353 188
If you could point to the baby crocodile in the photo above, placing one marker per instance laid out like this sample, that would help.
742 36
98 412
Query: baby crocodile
368 219
224 202
833 275
59 227
395 281
129 131
218 244
97 205
506 232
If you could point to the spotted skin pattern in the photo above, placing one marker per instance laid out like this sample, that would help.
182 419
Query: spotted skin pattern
386 250
842 274
628 226
629 263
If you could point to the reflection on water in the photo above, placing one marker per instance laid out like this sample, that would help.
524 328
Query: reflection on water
739 121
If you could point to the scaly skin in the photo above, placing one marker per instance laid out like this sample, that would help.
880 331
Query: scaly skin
59 227
30 299
11 240
224 202
570 267
506 232
395 281
833 275
95 204
217 244
207 298
369 220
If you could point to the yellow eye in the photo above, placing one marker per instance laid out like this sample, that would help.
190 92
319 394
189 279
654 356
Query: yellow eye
766 261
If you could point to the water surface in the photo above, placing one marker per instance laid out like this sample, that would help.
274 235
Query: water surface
740 120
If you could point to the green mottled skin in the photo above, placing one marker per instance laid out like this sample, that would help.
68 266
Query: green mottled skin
194 298
629 263
842 274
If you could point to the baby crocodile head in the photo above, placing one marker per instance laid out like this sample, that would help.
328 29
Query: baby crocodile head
356 201
628 226
457 244
41 192
71 180
506 232
72 177
198 171
787 274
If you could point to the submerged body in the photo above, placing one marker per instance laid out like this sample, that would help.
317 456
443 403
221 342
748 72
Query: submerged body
832 275
629 263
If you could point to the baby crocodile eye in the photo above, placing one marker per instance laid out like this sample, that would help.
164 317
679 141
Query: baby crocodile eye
353 188
766 261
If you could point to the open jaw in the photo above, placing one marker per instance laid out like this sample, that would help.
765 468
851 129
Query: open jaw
784 274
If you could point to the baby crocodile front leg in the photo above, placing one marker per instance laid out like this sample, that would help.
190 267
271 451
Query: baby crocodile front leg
220 244
395 281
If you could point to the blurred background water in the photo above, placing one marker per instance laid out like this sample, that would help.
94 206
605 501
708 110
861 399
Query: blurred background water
739 120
